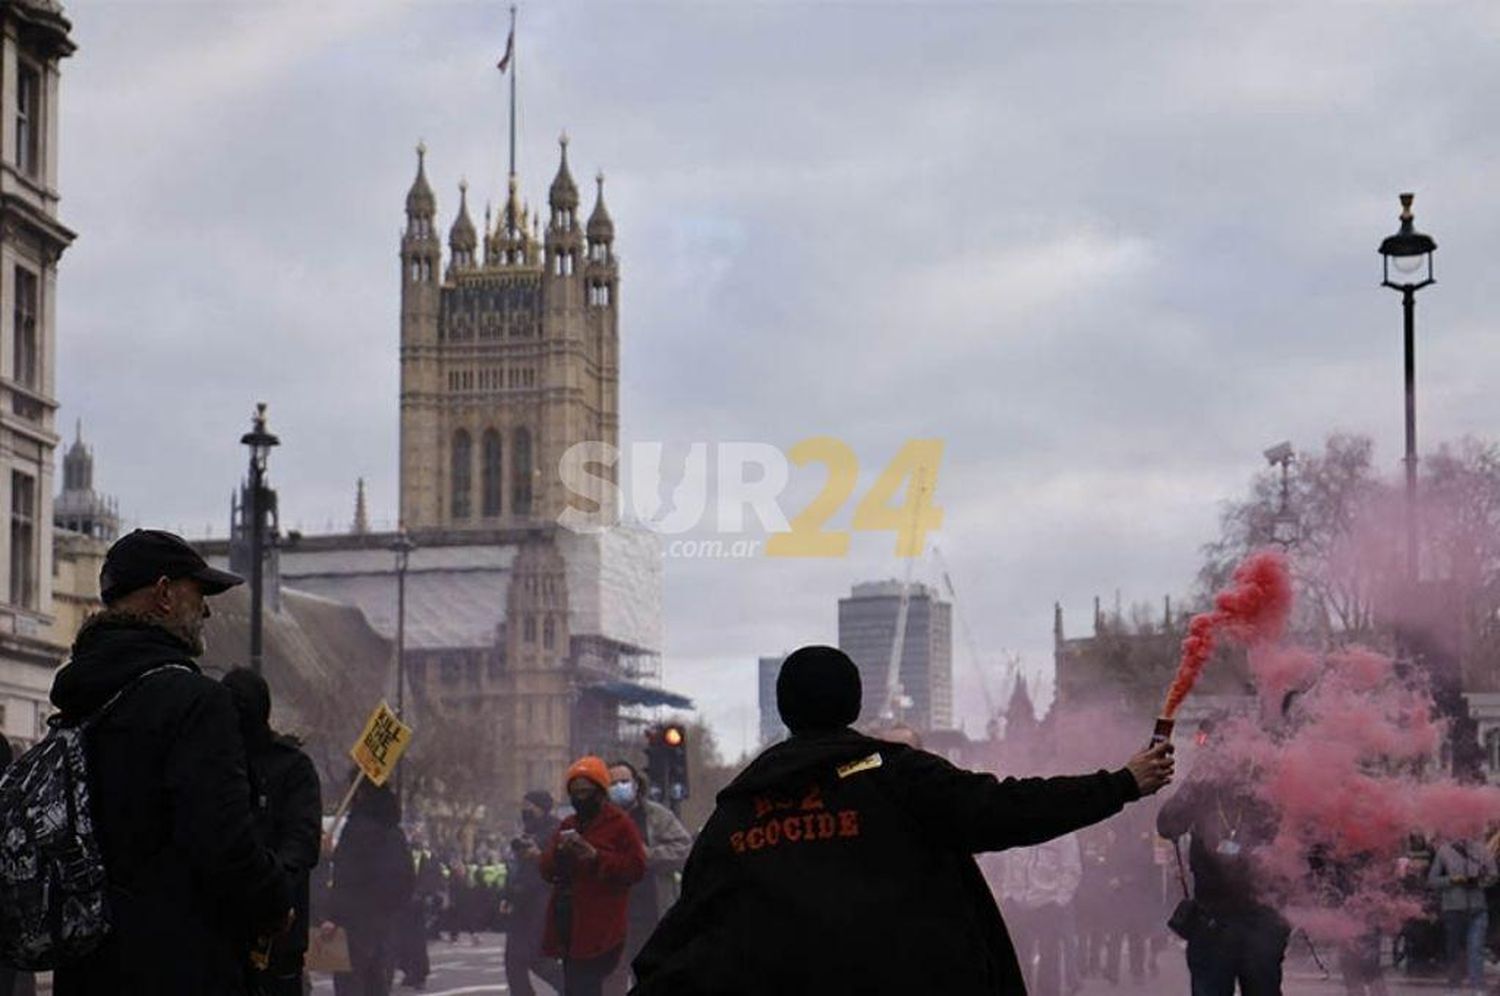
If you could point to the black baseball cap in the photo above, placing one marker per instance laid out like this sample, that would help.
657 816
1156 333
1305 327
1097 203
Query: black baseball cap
144 555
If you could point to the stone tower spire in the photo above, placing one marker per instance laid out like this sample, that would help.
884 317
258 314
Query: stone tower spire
507 362
80 508
361 516
421 368
462 239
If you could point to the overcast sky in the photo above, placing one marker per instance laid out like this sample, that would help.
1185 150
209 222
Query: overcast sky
1107 252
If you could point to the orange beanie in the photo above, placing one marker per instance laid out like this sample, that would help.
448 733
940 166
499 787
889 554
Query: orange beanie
592 768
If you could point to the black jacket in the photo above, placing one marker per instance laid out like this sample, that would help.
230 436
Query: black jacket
372 868
1228 825
172 810
289 820
525 888
842 864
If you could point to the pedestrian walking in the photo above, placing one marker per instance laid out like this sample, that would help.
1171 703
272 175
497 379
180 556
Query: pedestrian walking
592 861
526 898
189 881
667 843
837 863
1461 871
372 882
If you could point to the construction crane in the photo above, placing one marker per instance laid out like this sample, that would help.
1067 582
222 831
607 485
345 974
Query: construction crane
1012 660
895 699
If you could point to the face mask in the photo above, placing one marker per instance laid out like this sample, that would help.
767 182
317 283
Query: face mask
587 806
622 794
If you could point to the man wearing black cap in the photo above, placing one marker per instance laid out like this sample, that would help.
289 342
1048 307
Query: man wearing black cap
837 863
188 883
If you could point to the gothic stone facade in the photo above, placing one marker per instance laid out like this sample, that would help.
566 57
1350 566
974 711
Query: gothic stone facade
507 359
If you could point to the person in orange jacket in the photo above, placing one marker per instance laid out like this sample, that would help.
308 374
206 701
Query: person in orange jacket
593 859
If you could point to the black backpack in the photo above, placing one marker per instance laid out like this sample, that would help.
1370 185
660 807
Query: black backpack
54 907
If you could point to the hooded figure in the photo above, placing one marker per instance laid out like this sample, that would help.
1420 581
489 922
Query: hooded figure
288 817
837 863
372 881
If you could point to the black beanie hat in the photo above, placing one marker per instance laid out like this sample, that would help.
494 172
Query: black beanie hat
818 689
540 799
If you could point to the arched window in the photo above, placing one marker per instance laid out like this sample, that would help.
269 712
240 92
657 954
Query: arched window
520 473
493 466
463 475
548 633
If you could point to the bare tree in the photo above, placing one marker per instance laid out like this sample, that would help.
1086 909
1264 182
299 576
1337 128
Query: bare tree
1348 558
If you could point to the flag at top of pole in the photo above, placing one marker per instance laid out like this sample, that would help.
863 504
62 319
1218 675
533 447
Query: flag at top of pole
510 44
505 66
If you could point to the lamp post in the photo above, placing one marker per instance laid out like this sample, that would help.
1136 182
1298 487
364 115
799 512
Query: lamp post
260 442
1409 254
402 547
1284 524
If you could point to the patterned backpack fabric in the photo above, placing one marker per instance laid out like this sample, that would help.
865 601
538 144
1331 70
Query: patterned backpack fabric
53 888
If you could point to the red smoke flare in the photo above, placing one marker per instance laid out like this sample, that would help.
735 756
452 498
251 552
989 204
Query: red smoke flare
1253 609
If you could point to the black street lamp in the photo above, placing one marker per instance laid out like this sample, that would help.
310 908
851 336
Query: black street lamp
1409 254
1284 524
260 442
402 547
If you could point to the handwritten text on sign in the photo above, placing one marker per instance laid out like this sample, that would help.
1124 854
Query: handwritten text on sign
381 745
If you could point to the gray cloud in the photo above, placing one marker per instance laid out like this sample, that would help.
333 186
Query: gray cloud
1106 252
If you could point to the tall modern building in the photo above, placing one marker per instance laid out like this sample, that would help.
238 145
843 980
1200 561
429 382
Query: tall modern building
867 627
771 726
34 39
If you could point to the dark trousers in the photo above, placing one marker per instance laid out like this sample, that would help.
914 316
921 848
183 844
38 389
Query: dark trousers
411 943
373 961
585 976
267 984
637 932
1134 939
1463 936
1246 948
1042 933
523 955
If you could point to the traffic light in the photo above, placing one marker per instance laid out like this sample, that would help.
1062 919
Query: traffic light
666 763
674 739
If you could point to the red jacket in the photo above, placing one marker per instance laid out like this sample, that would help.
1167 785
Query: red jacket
600 888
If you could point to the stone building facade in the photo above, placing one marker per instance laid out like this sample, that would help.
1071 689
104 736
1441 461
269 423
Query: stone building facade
543 641
508 357
34 39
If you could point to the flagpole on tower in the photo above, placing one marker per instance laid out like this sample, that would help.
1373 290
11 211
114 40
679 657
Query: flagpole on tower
510 53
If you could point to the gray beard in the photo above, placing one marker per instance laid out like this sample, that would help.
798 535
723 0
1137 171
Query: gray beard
189 633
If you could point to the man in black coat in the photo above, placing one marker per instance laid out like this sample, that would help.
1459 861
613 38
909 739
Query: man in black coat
288 817
836 863
372 883
188 881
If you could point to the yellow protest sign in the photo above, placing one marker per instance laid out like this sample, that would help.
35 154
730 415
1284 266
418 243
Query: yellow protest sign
381 745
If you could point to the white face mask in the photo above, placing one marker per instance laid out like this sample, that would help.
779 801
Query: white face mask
622 794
